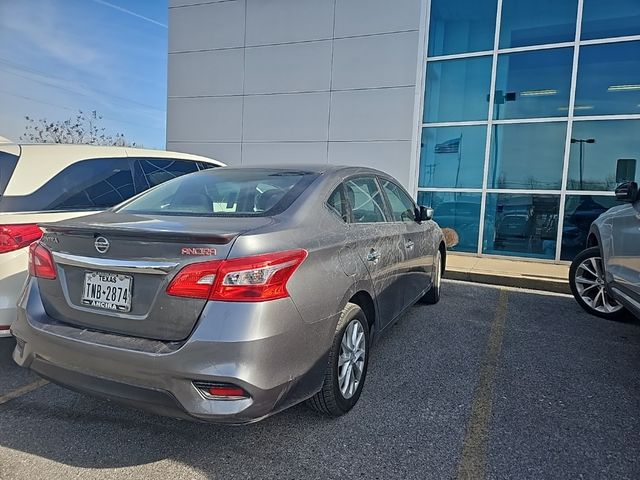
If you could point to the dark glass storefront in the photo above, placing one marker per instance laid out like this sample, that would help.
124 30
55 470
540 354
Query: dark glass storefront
527 130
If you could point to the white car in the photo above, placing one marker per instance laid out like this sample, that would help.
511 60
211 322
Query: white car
51 182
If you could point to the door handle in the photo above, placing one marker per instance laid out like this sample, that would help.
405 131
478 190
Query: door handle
409 245
373 256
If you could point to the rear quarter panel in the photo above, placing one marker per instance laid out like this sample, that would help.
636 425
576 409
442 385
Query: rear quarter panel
331 271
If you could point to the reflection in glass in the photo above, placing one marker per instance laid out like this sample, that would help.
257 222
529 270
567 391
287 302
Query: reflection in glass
579 212
521 225
528 155
452 157
608 79
527 22
458 211
461 26
533 84
457 90
611 18
603 154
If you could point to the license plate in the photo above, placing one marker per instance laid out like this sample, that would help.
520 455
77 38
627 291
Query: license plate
110 291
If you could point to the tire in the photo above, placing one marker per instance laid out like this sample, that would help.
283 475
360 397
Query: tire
587 283
331 400
433 295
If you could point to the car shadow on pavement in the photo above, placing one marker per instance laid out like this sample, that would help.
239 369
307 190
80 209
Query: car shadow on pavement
83 431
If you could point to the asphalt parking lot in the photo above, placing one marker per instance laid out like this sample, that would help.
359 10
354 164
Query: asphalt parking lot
489 383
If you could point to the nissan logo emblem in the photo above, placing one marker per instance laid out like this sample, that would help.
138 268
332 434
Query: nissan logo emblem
101 244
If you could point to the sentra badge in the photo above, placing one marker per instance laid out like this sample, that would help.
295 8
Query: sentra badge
204 251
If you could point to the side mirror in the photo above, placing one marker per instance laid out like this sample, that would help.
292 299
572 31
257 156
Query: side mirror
627 192
424 214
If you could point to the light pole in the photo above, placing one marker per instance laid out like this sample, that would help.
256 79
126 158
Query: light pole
582 141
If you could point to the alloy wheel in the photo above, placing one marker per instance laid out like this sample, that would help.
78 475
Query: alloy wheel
590 285
351 360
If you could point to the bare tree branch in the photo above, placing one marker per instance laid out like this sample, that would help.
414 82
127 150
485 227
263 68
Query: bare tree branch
84 128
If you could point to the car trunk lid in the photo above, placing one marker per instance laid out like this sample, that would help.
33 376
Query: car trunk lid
137 256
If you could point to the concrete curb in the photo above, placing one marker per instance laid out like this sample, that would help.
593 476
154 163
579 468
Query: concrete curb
533 283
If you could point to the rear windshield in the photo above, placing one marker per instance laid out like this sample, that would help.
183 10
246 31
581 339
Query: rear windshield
224 192
7 165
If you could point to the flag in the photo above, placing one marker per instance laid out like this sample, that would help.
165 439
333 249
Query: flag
450 146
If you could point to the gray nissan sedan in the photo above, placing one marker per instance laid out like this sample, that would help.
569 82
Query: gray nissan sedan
230 294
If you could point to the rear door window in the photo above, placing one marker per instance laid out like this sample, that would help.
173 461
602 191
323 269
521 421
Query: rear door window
94 184
365 199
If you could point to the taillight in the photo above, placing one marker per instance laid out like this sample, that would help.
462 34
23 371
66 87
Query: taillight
15 237
195 280
249 279
254 279
41 262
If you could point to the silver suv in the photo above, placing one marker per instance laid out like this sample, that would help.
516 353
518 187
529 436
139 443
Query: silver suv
605 278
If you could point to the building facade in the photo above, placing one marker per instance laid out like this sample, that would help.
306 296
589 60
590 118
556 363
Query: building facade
514 119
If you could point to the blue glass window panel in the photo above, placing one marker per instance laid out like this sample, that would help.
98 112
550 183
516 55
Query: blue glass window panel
610 18
461 26
527 155
611 158
536 22
533 84
459 211
521 225
452 157
457 90
608 79
579 212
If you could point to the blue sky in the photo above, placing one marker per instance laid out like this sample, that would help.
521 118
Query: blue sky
61 56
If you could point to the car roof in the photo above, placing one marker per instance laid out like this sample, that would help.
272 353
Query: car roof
104 150
293 167
321 168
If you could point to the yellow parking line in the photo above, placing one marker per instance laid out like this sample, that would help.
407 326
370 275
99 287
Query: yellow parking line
473 460
18 392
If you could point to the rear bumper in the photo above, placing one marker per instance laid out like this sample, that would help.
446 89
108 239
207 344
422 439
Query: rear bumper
278 359
158 401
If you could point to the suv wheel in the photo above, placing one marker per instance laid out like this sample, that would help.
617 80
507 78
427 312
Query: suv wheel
347 367
588 285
